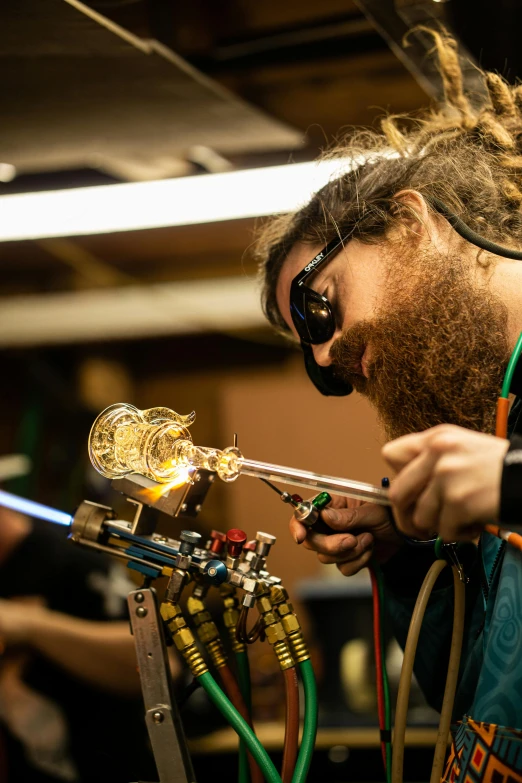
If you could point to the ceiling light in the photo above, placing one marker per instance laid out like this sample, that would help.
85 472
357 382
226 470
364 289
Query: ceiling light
205 198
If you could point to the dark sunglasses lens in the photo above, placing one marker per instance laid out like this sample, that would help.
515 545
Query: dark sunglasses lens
319 321
312 317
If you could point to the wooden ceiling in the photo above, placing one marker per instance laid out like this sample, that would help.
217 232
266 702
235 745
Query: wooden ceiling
317 69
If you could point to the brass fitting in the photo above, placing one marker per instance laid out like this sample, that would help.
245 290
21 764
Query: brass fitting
263 603
284 655
207 631
231 616
278 594
291 624
183 638
275 632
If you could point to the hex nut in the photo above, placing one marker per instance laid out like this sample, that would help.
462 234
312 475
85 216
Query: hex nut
183 638
291 623
275 633
264 604
270 618
195 605
249 600
202 617
177 622
168 611
285 608
208 632
230 618
236 578
248 584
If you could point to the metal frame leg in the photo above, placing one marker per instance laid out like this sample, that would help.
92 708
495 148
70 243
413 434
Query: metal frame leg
166 733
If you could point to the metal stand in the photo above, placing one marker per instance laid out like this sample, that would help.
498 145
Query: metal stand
166 734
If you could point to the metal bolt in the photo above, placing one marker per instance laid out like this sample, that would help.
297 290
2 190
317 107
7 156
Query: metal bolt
212 571
139 598
158 717
183 508
142 611
197 477
211 479
198 508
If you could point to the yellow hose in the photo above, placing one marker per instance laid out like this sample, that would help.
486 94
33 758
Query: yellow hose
451 679
401 711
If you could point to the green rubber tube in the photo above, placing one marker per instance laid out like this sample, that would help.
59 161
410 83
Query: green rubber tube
508 377
310 723
239 725
243 677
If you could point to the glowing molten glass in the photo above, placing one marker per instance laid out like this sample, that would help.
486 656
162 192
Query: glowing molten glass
155 443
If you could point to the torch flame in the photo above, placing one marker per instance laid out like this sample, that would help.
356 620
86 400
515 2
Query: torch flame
151 494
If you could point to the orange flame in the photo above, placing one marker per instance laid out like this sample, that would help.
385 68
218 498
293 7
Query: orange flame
151 494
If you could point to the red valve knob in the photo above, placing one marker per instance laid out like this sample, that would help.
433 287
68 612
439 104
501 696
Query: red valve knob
297 498
218 541
250 546
236 540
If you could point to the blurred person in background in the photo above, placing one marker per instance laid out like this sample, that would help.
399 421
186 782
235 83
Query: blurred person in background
70 702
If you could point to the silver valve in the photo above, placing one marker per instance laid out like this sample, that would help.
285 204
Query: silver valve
188 542
264 542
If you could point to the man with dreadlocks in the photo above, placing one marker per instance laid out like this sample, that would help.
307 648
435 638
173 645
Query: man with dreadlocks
386 297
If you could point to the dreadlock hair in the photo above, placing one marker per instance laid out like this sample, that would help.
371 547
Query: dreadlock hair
471 159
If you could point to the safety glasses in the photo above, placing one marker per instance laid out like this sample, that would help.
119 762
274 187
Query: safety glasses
314 322
311 312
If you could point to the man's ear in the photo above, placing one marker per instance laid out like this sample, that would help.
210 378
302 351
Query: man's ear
412 212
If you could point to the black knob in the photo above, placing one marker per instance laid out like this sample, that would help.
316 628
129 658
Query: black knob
189 541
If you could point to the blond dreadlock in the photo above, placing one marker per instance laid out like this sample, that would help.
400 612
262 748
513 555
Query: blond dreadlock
471 159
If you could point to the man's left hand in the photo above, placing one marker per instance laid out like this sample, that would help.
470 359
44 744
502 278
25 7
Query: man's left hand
448 481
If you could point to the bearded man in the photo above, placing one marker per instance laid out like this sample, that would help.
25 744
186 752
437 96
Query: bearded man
386 297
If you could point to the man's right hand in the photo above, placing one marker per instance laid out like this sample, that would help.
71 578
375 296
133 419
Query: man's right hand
359 530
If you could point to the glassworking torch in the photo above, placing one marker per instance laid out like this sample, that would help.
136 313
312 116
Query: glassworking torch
307 512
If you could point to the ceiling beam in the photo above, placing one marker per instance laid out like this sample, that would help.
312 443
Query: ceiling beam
131 312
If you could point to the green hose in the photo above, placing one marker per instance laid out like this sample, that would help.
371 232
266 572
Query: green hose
310 724
508 377
243 676
239 725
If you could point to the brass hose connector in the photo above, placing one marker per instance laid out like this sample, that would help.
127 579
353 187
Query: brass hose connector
275 632
183 638
290 622
207 631
231 615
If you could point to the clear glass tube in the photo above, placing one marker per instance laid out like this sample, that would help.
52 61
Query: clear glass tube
314 481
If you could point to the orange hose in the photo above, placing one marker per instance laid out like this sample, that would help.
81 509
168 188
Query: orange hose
514 539
236 697
501 425
291 725
502 417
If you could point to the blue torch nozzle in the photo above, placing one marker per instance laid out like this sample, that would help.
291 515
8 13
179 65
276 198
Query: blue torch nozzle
32 509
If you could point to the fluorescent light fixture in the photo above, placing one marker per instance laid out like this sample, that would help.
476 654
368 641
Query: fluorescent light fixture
206 198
